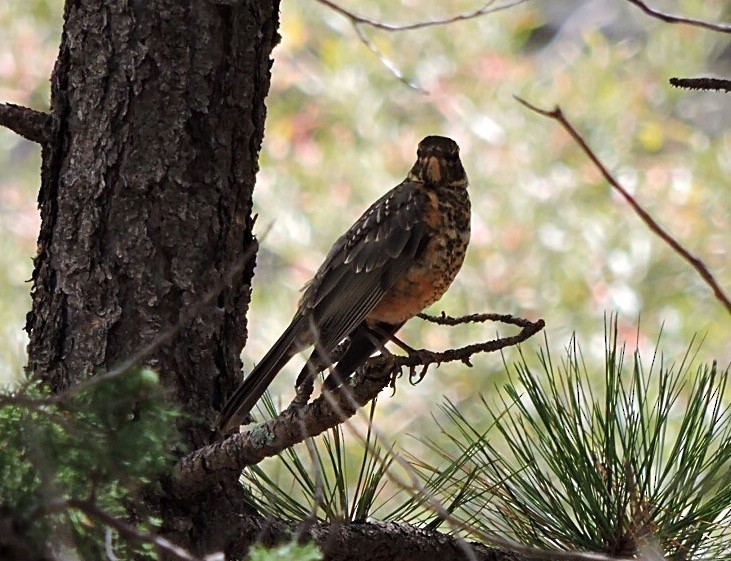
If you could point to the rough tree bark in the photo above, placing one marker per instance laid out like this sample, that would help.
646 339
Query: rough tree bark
158 115
157 119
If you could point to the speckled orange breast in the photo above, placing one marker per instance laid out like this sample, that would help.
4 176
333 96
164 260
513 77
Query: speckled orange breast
426 282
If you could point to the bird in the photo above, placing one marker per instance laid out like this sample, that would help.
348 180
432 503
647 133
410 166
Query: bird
398 258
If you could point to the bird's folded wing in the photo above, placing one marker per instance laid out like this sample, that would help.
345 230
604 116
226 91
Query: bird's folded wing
364 263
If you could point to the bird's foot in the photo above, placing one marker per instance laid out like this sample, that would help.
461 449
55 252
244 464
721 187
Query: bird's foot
302 397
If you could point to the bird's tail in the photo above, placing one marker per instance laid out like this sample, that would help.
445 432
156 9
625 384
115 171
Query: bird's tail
240 404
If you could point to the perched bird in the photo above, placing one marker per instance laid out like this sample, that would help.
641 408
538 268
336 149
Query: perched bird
399 257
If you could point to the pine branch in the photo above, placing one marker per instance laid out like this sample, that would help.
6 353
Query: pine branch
127 531
133 534
227 458
371 541
30 124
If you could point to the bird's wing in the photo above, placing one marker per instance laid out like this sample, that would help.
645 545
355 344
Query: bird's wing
365 262
361 266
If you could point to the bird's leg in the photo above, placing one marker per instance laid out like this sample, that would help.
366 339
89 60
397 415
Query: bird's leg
390 335
378 336
399 343
304 392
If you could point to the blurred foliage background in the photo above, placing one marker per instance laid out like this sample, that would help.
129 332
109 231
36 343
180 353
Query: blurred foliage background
550 238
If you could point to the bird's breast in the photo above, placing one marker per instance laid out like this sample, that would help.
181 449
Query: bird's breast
422 284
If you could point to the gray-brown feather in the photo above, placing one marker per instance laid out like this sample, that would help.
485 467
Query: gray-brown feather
365 262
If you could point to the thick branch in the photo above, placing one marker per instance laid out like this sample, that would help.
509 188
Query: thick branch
557 115
30 124
371 541
671 18
227 458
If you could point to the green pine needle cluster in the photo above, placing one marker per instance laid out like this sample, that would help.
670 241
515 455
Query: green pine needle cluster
627 459
327 480
639 460
100 445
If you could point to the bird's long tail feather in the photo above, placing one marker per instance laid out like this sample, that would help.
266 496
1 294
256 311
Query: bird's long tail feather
240 404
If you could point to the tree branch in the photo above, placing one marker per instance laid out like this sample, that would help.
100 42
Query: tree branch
30 124
670 18
356 19
228 457
717 84
377 541
557 115
367 541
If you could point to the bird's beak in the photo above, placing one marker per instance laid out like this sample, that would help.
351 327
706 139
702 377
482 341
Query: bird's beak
434 169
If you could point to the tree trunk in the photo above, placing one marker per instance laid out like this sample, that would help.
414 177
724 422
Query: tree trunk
158 117
146 253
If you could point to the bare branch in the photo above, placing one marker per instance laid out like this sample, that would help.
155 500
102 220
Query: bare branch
359 22
444 319
671 18
488 8
30 124
557 115
227 458
387 64
717 84
425 358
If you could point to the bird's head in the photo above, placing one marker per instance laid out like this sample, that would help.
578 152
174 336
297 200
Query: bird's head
438 163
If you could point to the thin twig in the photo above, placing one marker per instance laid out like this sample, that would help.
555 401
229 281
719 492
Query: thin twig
671 18
30 124
444 319
385 61
487 8
358 22
701 83
557 115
